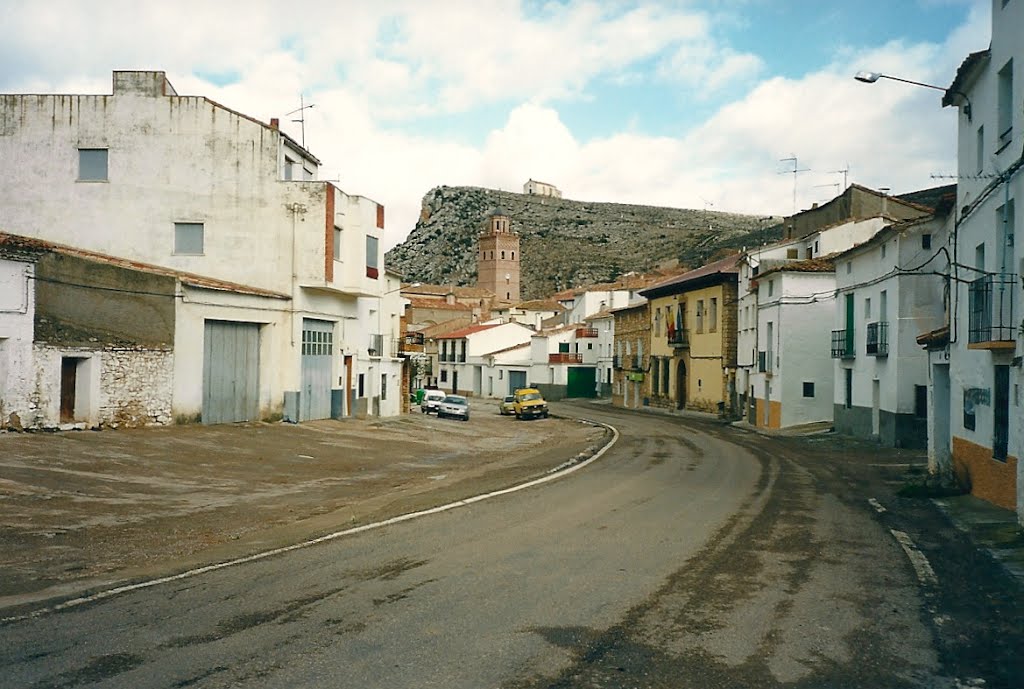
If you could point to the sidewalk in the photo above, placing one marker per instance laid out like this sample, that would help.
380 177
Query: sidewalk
84 510
990 527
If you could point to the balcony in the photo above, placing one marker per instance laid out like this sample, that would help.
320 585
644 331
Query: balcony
564 358
679 338
586 332
842 344
412 342
634 363
990 312
877 339
765 361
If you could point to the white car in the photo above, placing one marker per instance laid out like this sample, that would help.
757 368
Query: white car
455 406
431 398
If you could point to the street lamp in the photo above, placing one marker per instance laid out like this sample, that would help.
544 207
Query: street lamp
872 77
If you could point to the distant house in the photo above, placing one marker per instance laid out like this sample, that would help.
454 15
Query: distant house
463 355
535 188
890 290
530 313
564 361
693 338
631 363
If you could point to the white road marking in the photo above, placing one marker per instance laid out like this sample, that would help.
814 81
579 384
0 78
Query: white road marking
109 593
877 505
925 573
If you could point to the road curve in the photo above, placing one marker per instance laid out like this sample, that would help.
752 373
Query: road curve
478 596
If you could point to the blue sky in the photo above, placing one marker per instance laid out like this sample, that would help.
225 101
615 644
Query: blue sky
686 104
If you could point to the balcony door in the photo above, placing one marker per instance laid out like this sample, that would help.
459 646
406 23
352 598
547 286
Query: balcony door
1001 413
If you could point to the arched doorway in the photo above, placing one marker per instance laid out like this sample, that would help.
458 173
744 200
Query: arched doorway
681 385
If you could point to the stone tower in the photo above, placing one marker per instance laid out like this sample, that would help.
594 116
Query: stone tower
497 263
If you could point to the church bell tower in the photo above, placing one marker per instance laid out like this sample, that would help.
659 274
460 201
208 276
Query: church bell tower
497 263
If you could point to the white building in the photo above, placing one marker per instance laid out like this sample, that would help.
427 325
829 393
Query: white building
184 183
977 400
466 362
603 323
793 295
535 188
890 290
564 362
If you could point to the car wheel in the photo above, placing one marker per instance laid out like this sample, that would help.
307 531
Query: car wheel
545 415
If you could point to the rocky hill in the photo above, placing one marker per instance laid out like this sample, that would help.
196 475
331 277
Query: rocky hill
566 243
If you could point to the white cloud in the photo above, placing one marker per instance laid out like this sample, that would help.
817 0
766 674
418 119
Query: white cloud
373 70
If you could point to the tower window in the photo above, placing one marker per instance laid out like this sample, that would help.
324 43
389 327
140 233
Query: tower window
502 255
513 255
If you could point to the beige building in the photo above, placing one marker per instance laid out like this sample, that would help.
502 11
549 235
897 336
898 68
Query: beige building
693 339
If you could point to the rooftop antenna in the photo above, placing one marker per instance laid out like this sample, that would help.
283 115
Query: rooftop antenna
302 116
795 171
845 172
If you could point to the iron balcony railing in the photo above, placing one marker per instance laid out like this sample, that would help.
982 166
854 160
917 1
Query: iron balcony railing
878 339
679 338
990 307
842 344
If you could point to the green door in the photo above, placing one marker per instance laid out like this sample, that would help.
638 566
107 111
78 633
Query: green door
582 382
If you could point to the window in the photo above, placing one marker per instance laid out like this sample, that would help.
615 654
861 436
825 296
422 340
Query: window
849 267
867 308
513 255
657 323
815 246
1005 96
362 385
713 315
444 375
771 287
337 243
883 305
372 250
288 163
848 400
808 389
979 150
563 347
383 386
883 250
700 315
502 255
188 238
792 253
926 241
92 165
655 377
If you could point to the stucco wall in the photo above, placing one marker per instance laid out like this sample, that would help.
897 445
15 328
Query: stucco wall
17 304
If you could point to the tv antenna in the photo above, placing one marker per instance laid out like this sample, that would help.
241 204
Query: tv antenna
845 172
795 171
302 116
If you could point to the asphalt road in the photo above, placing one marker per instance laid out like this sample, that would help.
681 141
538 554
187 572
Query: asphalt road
687 556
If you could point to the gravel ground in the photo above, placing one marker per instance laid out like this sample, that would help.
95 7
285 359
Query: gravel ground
83 510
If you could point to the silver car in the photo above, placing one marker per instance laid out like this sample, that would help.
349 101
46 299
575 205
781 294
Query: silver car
455 406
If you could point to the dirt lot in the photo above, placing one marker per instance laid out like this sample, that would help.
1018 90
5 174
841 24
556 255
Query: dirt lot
81 510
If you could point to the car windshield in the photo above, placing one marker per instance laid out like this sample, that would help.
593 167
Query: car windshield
510 398
455 399
531 396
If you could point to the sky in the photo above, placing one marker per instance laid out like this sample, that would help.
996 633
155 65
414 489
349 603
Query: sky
688 104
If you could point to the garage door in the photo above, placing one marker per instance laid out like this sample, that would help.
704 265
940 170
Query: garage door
582 382
317 349
516 380
231 371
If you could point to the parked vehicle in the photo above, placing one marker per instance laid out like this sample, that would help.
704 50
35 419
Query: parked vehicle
508 406
455 406
529 404
431 398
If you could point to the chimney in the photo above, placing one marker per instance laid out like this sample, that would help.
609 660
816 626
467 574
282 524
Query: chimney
274 123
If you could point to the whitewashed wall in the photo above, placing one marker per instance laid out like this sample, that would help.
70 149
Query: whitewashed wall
17 309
